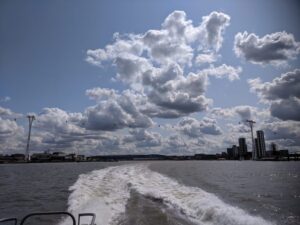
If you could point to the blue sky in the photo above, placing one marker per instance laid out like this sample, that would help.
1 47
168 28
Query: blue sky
44 69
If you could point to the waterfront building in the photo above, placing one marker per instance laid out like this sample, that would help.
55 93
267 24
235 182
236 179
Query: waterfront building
256 148
40 157
260 144
273 147
242 148
235 151
230 153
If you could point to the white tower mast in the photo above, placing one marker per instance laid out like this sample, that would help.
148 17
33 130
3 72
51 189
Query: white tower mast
31 118
251 122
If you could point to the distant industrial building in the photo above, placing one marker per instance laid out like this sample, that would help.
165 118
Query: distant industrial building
230 153
233 152
273 147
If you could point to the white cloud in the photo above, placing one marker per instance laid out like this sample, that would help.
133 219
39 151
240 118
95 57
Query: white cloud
12 135
206 58
101 93
184 94
153 64
222 71
215 24
5 99
117 112
58 121
275 49
7 127
244 112
172 43
143 138
194 128
7 113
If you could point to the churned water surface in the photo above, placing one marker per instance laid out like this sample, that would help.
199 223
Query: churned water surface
162 192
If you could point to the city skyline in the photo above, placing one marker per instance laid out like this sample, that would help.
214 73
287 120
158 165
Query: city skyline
180 80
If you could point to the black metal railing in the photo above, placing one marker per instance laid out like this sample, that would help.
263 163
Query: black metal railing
85 215
47 214
5 220
37 214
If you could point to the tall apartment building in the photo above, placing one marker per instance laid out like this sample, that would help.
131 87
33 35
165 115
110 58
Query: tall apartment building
242 148
260 144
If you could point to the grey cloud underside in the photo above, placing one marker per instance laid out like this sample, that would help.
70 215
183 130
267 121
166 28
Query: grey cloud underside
276 48
116 112
287 132
283 94
286 109
143 138
283 87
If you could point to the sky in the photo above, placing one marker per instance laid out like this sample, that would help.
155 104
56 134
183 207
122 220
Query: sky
149 77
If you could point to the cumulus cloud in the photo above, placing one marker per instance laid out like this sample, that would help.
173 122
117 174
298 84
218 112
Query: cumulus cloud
245 112
283 87
170 43
223 71
153 64
286 109
205 58
171 91
117 112
11 134
174 40
284 133
282 93
59 121
143 138
185 94
8 113
7 127
238 129
135 53
176 145
194 128
215 24
275 49
101 93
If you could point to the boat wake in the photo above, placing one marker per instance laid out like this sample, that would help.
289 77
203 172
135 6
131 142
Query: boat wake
106 192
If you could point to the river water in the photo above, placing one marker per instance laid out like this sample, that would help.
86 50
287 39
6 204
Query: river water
158 192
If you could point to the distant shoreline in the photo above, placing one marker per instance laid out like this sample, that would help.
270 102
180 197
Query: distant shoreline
149 160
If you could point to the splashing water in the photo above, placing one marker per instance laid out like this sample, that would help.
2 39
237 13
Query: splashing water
105 192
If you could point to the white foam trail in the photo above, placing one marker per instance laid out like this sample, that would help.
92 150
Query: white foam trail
106 192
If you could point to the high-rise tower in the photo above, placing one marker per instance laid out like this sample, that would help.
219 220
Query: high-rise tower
242 148
261 145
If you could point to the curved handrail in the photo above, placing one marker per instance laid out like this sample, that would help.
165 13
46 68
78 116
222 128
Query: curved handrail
8 220
48 213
